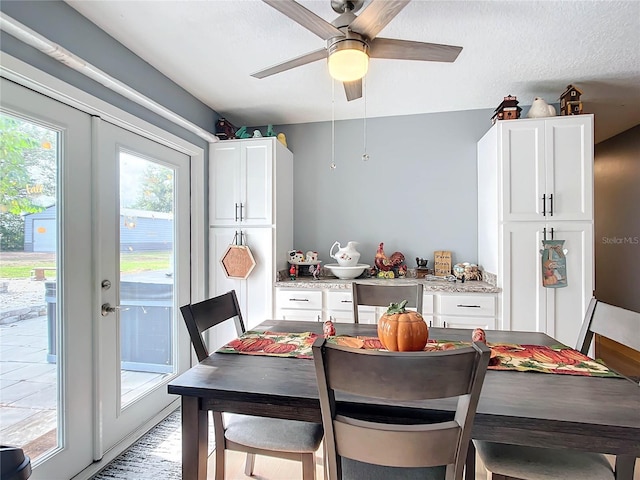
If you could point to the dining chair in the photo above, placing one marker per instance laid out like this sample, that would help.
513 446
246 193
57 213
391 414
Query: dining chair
286 439
382 442
383 295
516 462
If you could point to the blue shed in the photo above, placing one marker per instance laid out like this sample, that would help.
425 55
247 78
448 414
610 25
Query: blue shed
140 230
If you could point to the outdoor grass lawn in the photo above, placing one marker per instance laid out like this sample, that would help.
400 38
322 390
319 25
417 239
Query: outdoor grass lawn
17 267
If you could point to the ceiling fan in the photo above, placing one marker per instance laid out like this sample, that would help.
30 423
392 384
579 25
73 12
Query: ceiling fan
351 40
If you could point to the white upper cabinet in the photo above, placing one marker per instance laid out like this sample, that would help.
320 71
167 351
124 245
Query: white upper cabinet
241 173
545 167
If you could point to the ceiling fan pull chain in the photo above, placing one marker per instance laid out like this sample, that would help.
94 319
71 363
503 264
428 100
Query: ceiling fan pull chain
333 125
365 155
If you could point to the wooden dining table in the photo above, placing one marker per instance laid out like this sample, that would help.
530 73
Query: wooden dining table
597 414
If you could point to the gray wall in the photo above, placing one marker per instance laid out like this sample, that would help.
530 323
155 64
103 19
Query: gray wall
617 222
60 23
416 193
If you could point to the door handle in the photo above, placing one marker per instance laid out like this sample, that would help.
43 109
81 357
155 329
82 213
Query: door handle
107 309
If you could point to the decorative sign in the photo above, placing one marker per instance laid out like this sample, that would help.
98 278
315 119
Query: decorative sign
442 263
554 264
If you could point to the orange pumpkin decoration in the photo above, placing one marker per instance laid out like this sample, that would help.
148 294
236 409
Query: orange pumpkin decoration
402 330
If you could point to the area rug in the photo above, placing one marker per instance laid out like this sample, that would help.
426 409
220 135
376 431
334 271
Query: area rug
157 455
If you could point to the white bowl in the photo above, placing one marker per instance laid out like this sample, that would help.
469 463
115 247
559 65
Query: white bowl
346 273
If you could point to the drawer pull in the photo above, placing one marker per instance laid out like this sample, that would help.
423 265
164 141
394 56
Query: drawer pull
346 301
468 306
298 299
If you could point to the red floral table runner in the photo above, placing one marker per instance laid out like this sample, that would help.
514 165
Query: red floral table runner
558 359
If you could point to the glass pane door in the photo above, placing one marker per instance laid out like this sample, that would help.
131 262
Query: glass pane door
143 266
45 282
30 407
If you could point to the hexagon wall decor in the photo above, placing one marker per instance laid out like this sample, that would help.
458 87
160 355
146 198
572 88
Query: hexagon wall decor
237 261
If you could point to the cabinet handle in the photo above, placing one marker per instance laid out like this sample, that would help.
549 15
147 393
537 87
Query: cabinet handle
544 205
551 206
319 318
468 306
430 322
346 301
298 299
444 324
551 233
241 215
236 213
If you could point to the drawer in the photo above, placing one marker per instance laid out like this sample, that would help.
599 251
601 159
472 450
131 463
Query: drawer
475 305
301 299
339 301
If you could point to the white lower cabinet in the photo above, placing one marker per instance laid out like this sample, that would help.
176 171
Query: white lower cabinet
299 304
466 311
439 309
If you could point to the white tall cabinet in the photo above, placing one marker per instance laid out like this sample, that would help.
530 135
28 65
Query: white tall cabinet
535 180
251 199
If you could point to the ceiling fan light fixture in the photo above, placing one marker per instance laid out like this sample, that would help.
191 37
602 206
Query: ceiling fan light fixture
348 60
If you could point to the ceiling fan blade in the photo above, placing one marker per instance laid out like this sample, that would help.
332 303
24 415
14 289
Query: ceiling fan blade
353 89
376 16
293 63
409 50
306 18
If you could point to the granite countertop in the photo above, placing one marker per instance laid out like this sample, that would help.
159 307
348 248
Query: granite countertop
471 286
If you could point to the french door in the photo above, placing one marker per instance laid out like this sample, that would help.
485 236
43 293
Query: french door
142 252
106 230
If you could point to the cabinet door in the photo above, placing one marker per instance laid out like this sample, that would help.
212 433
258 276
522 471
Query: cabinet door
566 306
219 241
569 168
523 298
303 315
258 286
486 323
258 293
224 183
521 147
529 306
256 182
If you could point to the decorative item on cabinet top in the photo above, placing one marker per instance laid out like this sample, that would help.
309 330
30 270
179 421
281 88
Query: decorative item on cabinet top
507 110
570 103
540 109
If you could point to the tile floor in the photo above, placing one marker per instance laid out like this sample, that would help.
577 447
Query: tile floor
28 387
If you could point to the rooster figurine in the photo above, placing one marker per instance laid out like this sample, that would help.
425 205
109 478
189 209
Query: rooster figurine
384 263
381 261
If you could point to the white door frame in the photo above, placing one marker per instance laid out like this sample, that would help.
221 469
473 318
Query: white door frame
42 82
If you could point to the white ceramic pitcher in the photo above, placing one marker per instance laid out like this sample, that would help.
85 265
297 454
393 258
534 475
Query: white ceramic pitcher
347 256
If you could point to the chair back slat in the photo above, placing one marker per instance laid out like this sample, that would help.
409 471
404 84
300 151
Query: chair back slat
379 378
383 295
201 316
614 323
425 445
400 376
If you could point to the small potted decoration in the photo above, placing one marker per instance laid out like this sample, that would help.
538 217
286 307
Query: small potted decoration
402 330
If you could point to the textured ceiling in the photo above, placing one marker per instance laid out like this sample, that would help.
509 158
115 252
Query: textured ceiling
521 48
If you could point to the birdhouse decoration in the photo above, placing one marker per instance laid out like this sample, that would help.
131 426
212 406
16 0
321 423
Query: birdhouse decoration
507 110
570 103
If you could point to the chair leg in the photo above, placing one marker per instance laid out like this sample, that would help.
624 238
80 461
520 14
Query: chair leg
219 462
220 445
309 466
249 464
470 462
